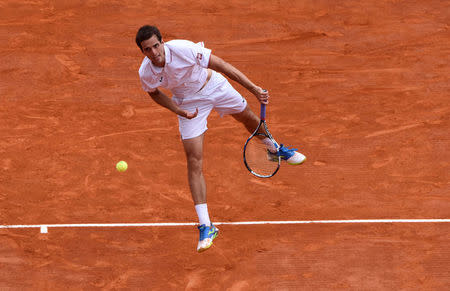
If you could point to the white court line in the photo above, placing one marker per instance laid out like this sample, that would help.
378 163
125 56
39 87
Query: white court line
44 227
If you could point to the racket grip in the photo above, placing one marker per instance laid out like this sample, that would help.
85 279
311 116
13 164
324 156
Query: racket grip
262 114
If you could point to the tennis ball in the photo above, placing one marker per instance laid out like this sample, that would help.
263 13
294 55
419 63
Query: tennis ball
122 166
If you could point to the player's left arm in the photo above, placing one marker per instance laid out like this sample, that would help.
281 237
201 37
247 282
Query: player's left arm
219 65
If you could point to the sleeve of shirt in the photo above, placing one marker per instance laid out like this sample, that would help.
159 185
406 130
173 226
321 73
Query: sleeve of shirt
148 81
201 54
191 53
148 85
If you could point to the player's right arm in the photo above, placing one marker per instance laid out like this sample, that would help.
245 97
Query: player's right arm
219 65
163 100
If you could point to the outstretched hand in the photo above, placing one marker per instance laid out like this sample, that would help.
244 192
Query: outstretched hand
190 115
262 95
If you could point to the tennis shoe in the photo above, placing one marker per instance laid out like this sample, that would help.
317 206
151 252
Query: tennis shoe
290 155
207 235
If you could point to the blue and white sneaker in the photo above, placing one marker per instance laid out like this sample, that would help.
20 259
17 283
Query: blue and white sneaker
291 156
207 235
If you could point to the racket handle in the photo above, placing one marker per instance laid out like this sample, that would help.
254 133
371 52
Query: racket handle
262 115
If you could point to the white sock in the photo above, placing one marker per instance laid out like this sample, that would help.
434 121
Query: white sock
269 144
202 212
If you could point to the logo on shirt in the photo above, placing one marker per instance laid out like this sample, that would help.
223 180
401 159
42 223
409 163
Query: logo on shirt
199 56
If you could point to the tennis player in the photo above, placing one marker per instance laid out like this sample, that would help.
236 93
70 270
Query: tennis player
192 74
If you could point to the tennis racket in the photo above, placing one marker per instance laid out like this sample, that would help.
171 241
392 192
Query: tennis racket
257 158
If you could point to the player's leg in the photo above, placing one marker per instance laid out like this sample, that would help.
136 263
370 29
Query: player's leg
193 148
192 135
250 120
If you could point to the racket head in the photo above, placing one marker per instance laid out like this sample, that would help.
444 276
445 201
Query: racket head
258 160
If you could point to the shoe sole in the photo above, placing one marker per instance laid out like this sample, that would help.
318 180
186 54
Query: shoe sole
294 164
208 246
275 159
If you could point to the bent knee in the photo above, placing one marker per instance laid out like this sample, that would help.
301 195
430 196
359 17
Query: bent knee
246 114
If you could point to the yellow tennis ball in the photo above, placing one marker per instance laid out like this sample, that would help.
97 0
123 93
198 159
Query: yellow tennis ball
122 166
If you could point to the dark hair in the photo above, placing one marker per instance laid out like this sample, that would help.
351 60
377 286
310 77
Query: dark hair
146 32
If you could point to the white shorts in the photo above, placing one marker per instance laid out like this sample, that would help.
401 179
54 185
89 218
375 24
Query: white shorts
218 94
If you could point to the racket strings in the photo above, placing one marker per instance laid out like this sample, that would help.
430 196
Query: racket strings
259 159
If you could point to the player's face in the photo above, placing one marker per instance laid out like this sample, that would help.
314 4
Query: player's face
154 50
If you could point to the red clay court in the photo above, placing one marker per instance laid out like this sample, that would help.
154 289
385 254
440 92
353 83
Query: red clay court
361 88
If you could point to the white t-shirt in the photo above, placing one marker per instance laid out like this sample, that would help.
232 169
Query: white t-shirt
184 72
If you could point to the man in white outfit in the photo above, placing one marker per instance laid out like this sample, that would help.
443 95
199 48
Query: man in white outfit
191 72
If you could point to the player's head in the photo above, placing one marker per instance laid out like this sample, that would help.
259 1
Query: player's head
146 32
148 39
